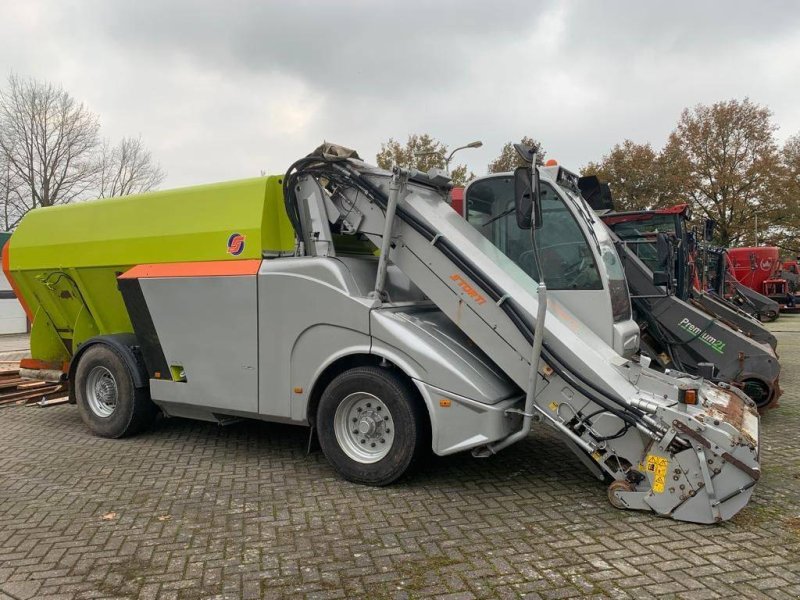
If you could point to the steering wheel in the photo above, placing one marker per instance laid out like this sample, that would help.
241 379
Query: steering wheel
571 273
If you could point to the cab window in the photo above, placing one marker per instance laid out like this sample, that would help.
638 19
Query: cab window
568 261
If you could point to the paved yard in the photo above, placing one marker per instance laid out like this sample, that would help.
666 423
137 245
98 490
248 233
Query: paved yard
191 510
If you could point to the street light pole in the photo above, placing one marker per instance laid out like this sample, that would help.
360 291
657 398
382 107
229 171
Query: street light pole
449 157
475 144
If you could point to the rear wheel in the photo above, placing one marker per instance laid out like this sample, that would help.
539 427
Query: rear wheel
371 426
108 401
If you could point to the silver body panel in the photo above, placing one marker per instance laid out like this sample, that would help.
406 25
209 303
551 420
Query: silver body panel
254 346
207 326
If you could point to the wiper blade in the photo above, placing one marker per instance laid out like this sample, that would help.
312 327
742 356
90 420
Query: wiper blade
500 216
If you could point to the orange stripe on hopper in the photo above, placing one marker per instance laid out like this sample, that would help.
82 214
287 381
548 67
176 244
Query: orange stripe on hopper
36 364
212 268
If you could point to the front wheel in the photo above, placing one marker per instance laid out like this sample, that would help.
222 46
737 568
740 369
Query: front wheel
108 401
768 317
371 426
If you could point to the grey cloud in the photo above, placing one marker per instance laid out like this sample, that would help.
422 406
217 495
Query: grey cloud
224 90
377 49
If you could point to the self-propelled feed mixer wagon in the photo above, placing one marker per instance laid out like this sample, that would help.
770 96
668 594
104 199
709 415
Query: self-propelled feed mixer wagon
356 301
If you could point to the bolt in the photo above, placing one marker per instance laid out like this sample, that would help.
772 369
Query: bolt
383 441
363 441
677 471
379 408
355 431
369 404
386 418
716 421
388 431
675 477
355 420
683 487
359 409
372 444
710 461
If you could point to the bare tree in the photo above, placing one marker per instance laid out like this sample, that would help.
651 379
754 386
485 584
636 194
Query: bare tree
127 168
49 142
10 195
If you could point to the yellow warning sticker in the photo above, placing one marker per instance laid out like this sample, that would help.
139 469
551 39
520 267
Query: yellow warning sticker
596 456
658 466
553 406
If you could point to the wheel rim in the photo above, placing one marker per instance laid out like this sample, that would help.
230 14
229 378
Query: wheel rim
364 427
101 391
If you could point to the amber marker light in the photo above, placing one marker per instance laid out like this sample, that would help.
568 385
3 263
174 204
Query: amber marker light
689 396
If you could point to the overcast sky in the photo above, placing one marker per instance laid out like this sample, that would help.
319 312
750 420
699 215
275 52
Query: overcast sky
222 90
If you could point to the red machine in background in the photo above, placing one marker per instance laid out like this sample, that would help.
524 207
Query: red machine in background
761 269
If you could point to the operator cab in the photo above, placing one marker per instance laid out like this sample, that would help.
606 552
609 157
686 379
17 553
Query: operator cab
578 260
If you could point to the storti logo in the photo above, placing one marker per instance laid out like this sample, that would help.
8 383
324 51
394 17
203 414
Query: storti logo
236 244
468 289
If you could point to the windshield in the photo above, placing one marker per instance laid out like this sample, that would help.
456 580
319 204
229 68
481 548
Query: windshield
568 262
640 234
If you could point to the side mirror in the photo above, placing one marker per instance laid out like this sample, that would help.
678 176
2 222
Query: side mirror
660 278
708 229
664 251
526 198
691 241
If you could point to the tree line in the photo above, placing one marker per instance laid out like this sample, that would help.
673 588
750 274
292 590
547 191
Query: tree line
51 152
722 159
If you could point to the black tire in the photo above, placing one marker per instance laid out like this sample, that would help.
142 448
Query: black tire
411 425
133 411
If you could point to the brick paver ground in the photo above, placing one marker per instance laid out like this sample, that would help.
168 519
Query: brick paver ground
191 510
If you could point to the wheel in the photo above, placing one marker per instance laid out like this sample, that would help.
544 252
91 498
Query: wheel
769 316
620 485
762 395
108 402
370 426
759 392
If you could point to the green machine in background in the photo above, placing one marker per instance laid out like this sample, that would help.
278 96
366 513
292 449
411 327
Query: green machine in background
64 260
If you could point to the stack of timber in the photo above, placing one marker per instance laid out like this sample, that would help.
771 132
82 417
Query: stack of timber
15 390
